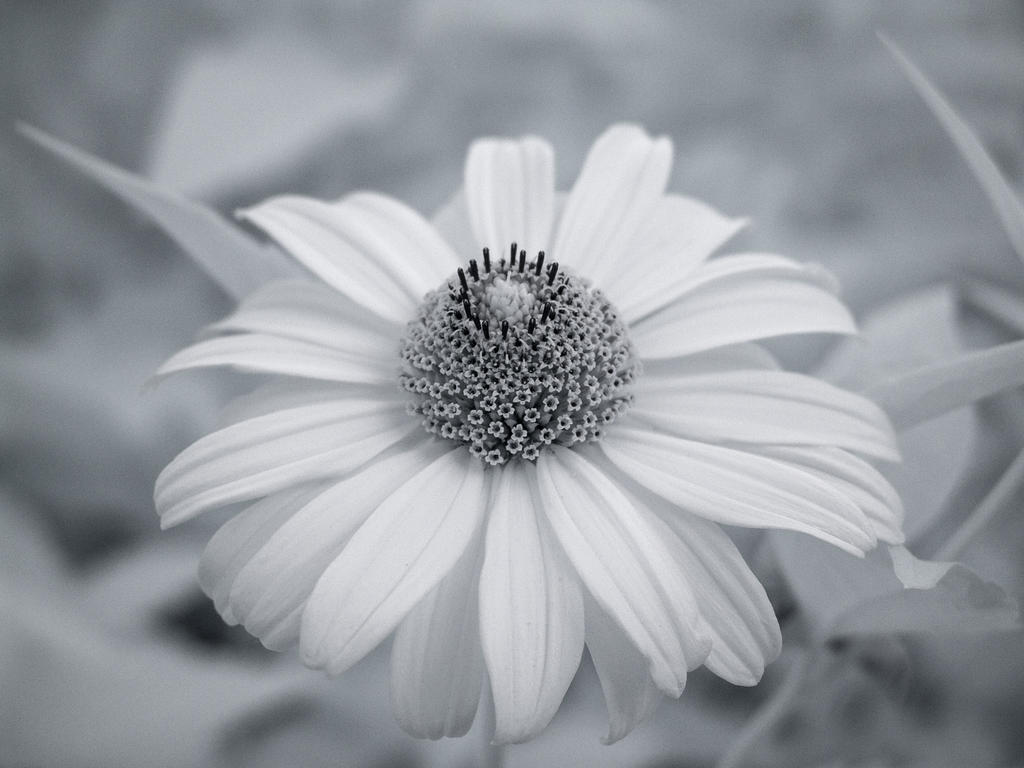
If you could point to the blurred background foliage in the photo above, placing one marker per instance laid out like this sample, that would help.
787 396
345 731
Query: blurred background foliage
792 113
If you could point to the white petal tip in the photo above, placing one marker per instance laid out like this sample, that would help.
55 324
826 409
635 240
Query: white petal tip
890 535
617 731
309 658
748 678
277 642
170 519
516 736
669 685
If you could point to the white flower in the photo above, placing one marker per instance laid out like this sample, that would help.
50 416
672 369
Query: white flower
503 459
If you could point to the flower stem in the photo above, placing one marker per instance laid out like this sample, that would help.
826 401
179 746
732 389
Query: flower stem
769 715
995 501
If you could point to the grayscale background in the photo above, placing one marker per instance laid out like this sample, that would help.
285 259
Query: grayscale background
791 113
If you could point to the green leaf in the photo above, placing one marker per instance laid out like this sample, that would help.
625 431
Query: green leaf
238 262
1008 207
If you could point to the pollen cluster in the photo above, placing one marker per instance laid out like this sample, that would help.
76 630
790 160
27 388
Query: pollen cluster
510 356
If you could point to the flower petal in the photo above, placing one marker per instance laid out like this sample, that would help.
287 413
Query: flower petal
437 666
735 487
622 180
315 313
399 235
510 189
629 693
375 250
451 221
666 371
266 353
235 542
745 633
531 611
677 236
624 564
764 407
398 555
268 453
855 478
743 298
270 591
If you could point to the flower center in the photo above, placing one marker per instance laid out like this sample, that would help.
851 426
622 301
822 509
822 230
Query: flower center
509 357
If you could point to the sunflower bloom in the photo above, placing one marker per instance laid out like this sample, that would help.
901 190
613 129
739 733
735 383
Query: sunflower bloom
514 431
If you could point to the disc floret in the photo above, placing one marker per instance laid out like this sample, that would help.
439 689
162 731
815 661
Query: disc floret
510 356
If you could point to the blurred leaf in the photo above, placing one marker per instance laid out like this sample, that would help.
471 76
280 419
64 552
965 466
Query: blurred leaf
235 260
998 499
27 555
886 662
259 104
73 696
129 593
937 597
912 331
1003 199
1002 305
91 684
77 434
932 390
889 591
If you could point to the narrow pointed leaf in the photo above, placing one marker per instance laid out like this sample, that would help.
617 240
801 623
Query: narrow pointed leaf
1002 197
236 261
932 390
1004 306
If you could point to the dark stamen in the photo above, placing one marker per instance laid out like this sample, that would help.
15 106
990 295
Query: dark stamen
487 259
504 329
540 263
465 306
522 260
486 327
473 269
552 271
476 321
462 279
512 252
546 313
532 325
